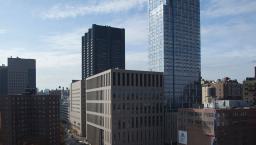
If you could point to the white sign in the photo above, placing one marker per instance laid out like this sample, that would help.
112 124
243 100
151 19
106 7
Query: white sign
183 137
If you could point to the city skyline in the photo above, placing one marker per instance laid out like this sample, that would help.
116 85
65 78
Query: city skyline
32 30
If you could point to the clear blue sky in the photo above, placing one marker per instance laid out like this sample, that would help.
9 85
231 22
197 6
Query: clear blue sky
50 31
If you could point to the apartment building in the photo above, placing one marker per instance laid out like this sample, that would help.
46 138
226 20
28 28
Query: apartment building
217 126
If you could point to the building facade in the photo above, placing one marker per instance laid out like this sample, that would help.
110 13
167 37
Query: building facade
64 106
103 48
249 90
227 89
125 108
3 80
236 126
21 75
175 49
208 93
78 108
26 120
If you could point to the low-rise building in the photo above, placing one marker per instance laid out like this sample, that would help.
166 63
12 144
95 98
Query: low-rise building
226 104
217 126
125 108
208 93
227 89
29 119
249 90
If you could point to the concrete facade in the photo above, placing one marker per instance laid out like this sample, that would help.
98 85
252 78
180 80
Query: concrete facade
125 108
78 108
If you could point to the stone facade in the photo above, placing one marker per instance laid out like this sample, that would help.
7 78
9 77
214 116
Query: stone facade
125 108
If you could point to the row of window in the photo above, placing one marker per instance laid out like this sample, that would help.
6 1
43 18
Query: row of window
142 121
138 136
142 108
134 79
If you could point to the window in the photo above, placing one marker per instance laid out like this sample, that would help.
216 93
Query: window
132 122
145 80
114 78
132 79
141 80
137 122
149 80
137 80
118 79
149 121
123 125
157 81
119 124
145 121
128 79
153 80
123 106
123 76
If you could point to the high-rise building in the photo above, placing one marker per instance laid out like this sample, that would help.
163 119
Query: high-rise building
174 48
21 75
3 80
125 108
29 119
103 48
78 108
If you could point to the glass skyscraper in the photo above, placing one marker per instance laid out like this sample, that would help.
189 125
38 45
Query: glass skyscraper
174 48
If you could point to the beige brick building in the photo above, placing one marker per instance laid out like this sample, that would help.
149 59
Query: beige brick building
125 108
77 117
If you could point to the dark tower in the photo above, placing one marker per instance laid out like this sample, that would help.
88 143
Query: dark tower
3 80
255 71
103 48
21 75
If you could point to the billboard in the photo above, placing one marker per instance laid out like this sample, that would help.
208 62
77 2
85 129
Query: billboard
183 137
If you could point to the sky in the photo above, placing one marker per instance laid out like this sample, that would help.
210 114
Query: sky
50 31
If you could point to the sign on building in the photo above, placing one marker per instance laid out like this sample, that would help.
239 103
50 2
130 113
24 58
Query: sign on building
183 137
